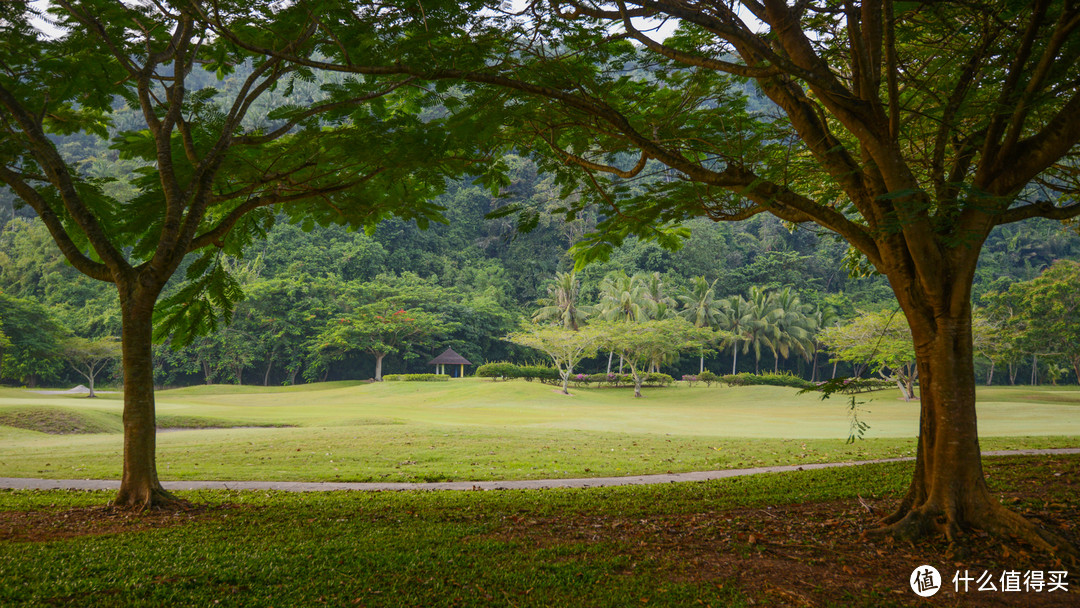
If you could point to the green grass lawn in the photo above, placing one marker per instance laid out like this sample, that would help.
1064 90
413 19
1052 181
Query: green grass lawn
480 430
774 540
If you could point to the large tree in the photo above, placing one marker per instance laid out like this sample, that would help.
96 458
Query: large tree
89 357
214 168
566 347
910 129
379 329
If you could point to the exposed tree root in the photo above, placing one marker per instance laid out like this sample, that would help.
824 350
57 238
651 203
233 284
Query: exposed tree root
913 523
149 498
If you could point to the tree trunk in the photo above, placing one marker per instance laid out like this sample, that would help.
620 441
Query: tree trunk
1012 374
266 376
814 367
90 378
610 354
378 366
566 380
637 384
990 374
734 357
139 486
948 492
701 368
1034 370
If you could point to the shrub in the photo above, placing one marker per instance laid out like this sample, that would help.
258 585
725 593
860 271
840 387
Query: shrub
416 377
657 379
547 375
745 379
500 369
708 378
689 379
581 379
611 379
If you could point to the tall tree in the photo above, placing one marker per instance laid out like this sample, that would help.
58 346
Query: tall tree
212 171
562 302
761 330
566 347
909 129
878 340
701 307
89 357
651 340
795 327
736 321
379 329
1050 305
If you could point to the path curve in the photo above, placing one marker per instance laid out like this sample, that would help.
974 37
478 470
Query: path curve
21 483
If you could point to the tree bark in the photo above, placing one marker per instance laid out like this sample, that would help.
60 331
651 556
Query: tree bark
734 357
948 492
378 366
266 376
139 486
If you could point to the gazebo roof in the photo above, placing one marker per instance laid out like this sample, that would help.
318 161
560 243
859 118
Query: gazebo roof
449 357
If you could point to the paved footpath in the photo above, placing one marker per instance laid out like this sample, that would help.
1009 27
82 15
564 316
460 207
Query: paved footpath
19 483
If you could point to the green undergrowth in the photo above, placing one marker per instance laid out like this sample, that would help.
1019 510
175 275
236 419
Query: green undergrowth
389 549
423 548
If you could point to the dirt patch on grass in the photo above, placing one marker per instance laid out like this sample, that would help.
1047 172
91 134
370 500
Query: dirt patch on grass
818 554
187 423
55 421
50 525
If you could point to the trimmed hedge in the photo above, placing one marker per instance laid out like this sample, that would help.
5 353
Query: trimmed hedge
657 379
499 369
745 379
416 378
547 375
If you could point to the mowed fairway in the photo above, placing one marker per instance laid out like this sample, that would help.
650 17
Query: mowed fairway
480 430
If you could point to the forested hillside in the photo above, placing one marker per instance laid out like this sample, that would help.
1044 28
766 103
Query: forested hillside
480 277
477 278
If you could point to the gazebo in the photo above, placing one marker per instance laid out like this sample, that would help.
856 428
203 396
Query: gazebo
449 357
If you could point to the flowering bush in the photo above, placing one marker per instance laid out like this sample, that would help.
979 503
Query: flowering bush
689 379
580 380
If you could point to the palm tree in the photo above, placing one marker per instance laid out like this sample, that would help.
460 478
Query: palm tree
823 317
735 318
562 305
622 298
701 307
762 330
795 327
658 304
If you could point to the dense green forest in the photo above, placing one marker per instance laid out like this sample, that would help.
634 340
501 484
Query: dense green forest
480 277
